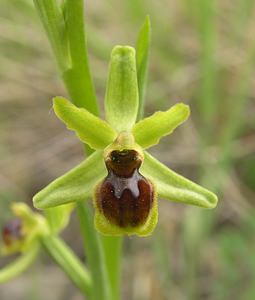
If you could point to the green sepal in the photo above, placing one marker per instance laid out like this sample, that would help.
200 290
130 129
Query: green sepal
90 129
142 57
174 187
75 185
107 228
58 217
121 99
148 131
17 267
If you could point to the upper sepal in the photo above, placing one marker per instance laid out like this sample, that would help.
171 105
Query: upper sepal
148 131
121 99
175 187
90 129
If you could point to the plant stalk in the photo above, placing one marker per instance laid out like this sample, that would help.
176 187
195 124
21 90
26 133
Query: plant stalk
68 261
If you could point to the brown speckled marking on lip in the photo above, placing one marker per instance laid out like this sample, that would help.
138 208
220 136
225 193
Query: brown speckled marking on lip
125 197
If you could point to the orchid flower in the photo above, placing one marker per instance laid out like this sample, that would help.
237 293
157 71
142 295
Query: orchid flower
121 177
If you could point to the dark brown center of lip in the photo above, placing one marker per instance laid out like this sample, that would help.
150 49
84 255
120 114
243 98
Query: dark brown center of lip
123 163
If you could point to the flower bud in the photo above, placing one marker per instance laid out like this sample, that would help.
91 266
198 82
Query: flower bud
11 232
22 232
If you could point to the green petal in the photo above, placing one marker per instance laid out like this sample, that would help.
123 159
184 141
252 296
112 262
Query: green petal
75 185
148 131
174 187
89 128
19 265
142 57
121 100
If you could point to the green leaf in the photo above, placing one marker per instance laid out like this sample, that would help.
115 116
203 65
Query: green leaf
17 267
148 131
142 56
58 217
75 185
121 100
175 187
53 21
89 128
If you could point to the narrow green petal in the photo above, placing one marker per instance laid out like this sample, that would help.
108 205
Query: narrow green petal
121 99
174 187
142 57
148 131
17 267
75 185
89 128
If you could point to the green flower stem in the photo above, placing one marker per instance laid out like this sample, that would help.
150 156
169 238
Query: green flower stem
65 30
68 261
94 253
19 265
112 248
78 79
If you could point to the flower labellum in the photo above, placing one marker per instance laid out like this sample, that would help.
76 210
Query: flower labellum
125 197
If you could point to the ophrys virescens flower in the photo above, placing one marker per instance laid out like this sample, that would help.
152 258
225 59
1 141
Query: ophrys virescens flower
124 180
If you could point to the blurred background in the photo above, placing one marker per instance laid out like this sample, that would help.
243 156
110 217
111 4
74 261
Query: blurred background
203 53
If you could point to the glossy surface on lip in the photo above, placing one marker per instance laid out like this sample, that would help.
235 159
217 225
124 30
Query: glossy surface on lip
125 197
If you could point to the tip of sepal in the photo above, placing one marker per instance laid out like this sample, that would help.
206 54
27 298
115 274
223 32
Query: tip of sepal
38 202
123 52
148 20
57 100
184 107
212 200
